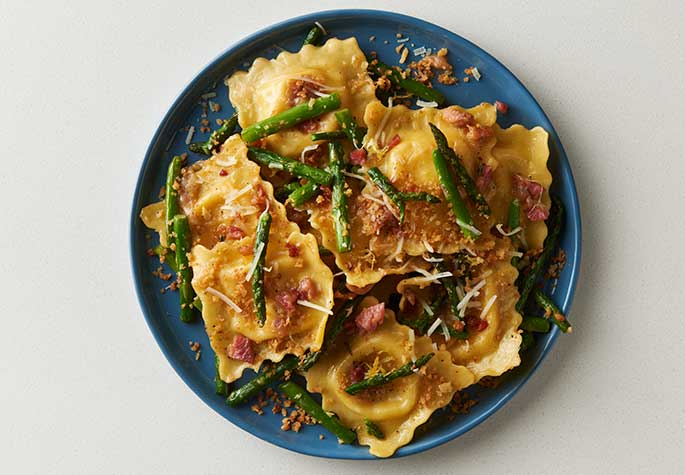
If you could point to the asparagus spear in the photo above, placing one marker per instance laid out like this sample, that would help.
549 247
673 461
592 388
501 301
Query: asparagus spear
381 379
527 340
220 386
171 197
291 117
264 379
422 323
335 135
450 284
284 191
336 327
182 232
260 244
305 402
350 128
216 138
314 36
339 199
514 215
534 324
410 85
548 247
303 193
399 198
552 311
464 177
513 222
273 160
164 253
373 429
449 187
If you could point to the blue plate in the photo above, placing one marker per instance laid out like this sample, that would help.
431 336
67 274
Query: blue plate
161 310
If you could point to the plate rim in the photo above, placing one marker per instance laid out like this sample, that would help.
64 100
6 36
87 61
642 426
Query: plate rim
502 399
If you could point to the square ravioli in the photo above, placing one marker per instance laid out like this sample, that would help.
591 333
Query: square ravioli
272 86
399 407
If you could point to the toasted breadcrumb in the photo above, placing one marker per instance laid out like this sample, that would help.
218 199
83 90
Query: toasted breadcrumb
491 382
461 403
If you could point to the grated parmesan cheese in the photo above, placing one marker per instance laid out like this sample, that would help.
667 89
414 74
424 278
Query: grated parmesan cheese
223 298
426 307
255 261
445 331
308 148
354 175
433 259
431 104
469 227
500 228
189 137
476 74
323 30
475 291
209 95
488 306
307 303
434 326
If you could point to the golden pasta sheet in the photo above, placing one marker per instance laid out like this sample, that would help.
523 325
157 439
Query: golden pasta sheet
380 245
398 407
521 153
272 86
223 197
489 311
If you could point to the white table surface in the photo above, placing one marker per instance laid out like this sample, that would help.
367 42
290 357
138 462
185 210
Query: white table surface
85 389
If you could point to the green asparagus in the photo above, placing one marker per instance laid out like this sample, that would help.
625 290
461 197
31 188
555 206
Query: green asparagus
534 324
449 187
314 36
547 249
260 245
421 323
410 85
335 135
220 386
303 193
350 128
294 167
291 117
450 284
381 379
165 256
264 379
464 177
527 340
373 429
305 402
552 311
399 198
513 222
339 199
171 197
216 138
187 295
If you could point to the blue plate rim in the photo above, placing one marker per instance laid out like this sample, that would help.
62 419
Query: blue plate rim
414 447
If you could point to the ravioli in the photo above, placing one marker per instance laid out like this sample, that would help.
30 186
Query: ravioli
272 86
380 246
223 197
524 152
398 407
491 351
